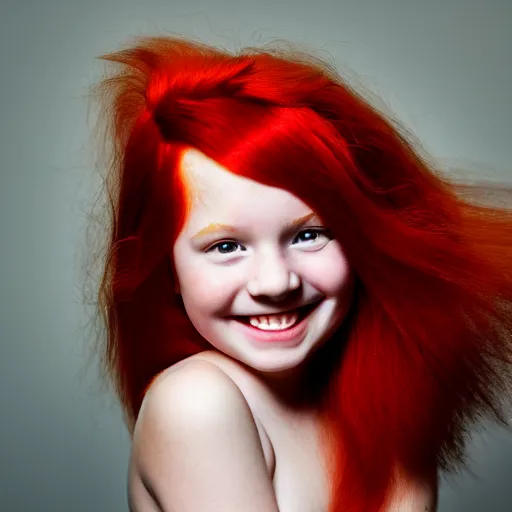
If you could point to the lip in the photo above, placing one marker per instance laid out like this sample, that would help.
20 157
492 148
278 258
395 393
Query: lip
293 335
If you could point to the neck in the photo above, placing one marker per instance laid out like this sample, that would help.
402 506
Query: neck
290 387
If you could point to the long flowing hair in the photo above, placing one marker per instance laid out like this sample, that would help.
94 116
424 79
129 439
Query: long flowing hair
425 351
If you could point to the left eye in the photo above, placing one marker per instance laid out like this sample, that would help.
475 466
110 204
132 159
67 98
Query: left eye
310 235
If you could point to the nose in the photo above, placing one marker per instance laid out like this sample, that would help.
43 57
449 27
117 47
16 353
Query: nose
272 278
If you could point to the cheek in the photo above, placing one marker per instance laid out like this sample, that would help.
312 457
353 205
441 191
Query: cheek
329 272
206 289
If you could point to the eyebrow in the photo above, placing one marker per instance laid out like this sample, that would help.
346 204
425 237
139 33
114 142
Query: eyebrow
215 227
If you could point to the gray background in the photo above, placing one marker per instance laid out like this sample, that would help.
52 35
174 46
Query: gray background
444 67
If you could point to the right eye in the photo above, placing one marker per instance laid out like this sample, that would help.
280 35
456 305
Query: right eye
225 247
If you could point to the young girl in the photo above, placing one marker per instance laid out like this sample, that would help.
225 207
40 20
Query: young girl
303 314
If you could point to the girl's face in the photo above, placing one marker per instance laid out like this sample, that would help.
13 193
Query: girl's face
260 276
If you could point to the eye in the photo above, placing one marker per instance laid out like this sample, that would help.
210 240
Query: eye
312 235
225 247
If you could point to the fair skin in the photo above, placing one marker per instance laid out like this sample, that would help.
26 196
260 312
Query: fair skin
246 250
179 465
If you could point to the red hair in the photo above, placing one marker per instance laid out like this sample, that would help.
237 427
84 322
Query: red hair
425 351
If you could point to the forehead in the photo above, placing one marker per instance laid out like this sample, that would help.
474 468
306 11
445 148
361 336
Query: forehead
216 191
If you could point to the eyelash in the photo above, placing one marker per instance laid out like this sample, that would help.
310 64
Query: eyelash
317 231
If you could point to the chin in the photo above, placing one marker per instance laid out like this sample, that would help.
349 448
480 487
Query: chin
279 359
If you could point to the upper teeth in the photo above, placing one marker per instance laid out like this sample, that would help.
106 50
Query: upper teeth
274 322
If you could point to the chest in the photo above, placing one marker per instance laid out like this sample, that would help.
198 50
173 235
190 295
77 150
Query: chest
297 466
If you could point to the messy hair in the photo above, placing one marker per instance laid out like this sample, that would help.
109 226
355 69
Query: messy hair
425 351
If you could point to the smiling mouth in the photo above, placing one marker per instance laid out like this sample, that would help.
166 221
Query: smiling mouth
299 314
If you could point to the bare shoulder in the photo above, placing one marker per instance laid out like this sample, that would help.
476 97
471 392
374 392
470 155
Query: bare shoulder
197 446
190 387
